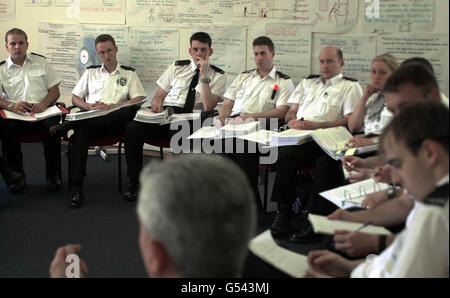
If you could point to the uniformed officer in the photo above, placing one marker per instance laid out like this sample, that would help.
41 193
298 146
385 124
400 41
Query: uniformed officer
319 101
184 86
31 85
255 94
103 87
416 147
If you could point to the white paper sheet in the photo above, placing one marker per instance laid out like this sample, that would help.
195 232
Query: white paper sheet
59 43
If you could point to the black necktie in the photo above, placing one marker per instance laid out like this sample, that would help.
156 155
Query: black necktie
190 98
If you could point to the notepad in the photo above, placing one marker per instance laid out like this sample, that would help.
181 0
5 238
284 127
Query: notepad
322 225
49 112
353 194
292 263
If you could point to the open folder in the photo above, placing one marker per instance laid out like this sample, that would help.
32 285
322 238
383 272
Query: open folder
353 194
322 225
147 116
292 263
334 142
49 112
98 113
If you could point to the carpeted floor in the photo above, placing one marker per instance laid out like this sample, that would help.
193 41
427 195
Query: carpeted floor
35 223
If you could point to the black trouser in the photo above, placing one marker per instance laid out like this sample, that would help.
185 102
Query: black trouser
290 160
111 125
12 130
328 174
137 133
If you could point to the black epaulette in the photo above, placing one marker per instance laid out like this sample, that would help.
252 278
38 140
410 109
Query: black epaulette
438 197
3 62
93 66
219 70
127 68
313 77
249 71
350 79
38 55
283 76
182 62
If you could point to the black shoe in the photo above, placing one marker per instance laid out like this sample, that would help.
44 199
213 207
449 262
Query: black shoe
77 199
53 182
307 235
17 182
130 194
5 172
60 129
281 226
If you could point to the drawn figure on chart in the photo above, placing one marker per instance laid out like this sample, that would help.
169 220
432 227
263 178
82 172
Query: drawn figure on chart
339 12
151 13
323 5
245 11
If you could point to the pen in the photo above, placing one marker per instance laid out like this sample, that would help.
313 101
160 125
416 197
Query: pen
364 225
274 92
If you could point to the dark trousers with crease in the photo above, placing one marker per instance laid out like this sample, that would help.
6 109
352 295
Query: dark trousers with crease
137 133
290 160
11 133
111 125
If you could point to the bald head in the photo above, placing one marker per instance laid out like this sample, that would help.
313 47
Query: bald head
331 62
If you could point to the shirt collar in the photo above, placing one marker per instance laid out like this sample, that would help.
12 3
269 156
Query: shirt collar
117 70
443 181
334 80
271 74
10 63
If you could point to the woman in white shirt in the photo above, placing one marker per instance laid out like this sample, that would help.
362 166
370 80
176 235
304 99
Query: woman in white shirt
371 113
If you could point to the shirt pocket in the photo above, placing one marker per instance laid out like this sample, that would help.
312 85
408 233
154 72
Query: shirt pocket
331 107
178 90
265 98
13 87
37 78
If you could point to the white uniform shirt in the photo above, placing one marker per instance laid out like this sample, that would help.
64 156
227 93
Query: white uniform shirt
176 80
29 82
421 250
97 84
321 102
376 124
253 94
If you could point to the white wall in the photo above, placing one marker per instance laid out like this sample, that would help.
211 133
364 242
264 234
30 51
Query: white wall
27 18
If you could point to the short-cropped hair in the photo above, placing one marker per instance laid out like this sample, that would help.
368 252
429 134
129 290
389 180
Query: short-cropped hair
105 38
201 37
15 31
418 122
264 41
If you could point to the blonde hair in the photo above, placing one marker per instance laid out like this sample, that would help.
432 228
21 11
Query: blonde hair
387 59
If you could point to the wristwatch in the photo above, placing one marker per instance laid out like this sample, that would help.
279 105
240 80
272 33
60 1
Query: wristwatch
205 81
390 193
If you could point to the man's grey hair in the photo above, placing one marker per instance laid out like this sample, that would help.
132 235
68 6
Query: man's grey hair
201 208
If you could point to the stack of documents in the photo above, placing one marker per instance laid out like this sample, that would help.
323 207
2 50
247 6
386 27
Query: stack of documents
291 137
98 113
334 142
322 225
49 112
147 116
227 131
352 195
235 130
